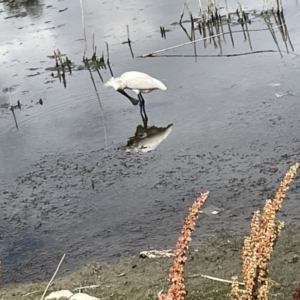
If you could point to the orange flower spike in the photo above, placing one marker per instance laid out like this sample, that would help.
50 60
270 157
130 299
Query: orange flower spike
175 277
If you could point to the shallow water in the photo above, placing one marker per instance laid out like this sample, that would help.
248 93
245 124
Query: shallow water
68 186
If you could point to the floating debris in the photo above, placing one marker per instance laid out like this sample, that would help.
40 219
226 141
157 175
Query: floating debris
279 95
157 253
211 210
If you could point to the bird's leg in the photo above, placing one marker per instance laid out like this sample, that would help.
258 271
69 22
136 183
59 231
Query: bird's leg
144 117
132 100
141 103
144 110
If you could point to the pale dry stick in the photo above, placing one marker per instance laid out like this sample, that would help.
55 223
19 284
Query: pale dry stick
178 46
30 293
51 280
264 6
273 34
93 43
230 32
87 287
192 36
220 279
186 3
214 278
129 42
217 26
282 29
204 22
246 25
226 5
223 55
228 23
200 7
222 30
182 13
107 60
56 59
192 20
275 4
287 32
279 4
241 19
84 33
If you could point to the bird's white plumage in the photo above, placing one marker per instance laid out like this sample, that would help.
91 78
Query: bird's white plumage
136 81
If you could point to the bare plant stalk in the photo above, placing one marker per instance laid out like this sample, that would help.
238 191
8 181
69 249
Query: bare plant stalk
182 13
84 33
93 43
227 14
271 29
200 7
177 288
12 108
107 60
129 42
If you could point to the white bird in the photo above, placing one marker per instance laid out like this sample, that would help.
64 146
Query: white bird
139 83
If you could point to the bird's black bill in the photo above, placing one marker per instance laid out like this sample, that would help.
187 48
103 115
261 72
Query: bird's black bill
132 100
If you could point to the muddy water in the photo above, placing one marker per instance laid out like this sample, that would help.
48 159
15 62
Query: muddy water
68 186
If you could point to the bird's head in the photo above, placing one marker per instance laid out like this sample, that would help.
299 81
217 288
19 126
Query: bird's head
113 82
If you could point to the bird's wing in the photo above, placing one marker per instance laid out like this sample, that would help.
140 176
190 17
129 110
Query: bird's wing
141 81
140 84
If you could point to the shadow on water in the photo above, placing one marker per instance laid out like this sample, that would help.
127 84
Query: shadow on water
67 184
147 138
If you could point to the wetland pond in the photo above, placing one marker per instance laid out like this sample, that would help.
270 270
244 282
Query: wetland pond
228 123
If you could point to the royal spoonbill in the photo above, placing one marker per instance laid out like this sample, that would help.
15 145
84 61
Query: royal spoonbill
139 83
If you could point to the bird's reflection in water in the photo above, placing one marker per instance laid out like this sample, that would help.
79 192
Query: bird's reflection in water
147 138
